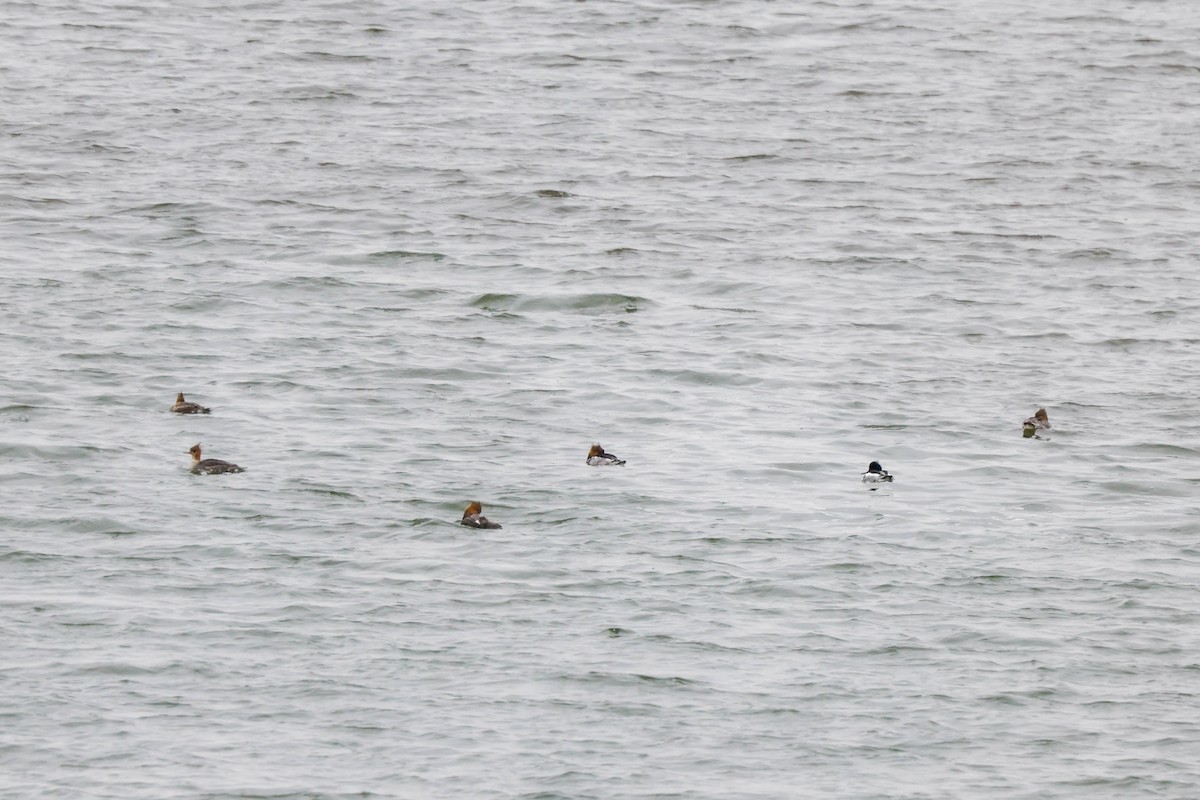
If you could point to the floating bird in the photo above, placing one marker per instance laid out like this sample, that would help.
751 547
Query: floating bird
210 466
1039 421
876 474
596 457
184 407
473 517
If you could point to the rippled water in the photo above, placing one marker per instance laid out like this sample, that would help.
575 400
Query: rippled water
414 256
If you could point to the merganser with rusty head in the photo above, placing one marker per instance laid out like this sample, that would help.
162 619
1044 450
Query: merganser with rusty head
1038 422
596 457
210 466
473 517
184 407
876 474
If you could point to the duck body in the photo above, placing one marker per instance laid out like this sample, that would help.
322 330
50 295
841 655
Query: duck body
210 466
876 474
182 406
1038 422
596 457
473 517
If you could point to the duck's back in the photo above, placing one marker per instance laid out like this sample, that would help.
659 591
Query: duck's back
479 521
215 466
190 408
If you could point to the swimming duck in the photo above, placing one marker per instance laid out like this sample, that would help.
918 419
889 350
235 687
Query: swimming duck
473 517
210 466
596 457
876 474
1039 421
184 407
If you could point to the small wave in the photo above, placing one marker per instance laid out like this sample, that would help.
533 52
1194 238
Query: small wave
729 309
1099 253
48 452
1048 335
1129 487
406 255
28 556
452 375
897 649
328 492
597 303
697 377
320 55
100 525
1160 449
801 466
669 680
314 281
118 668
17 408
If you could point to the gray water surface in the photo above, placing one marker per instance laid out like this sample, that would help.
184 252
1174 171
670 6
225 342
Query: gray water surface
418 255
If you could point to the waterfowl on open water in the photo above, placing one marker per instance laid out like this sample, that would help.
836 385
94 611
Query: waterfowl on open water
210 466
473 517
596 457
184 407
1039 421
876 474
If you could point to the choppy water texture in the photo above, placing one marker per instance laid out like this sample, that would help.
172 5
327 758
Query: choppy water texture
414 255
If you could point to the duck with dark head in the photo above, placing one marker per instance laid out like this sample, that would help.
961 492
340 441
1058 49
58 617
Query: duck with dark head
876 474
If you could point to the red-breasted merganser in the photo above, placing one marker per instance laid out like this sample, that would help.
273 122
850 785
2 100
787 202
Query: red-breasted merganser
473 517
876 474
1039 421
596 457
184 407
210 466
